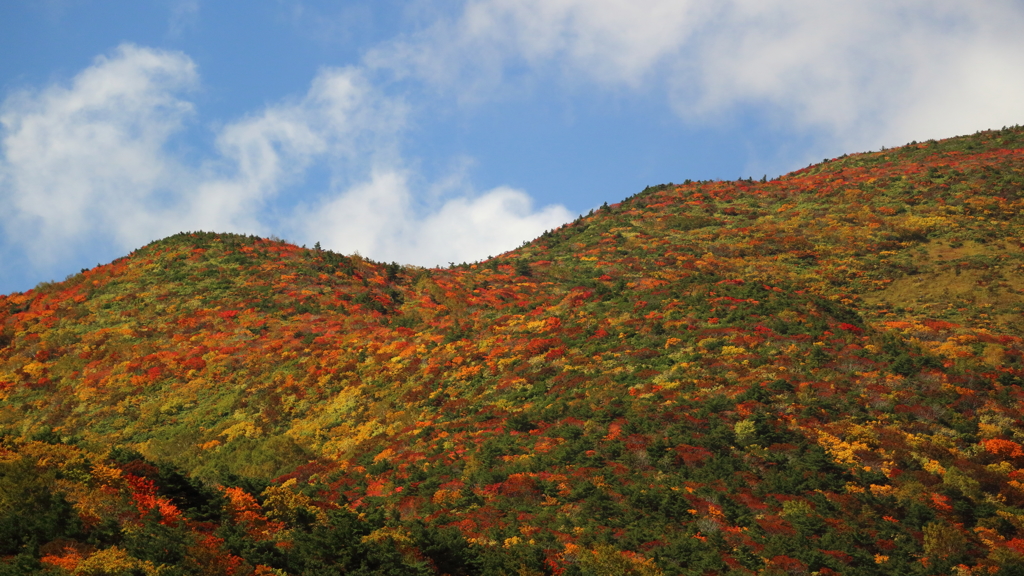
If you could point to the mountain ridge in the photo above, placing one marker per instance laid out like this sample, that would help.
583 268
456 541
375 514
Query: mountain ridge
703 378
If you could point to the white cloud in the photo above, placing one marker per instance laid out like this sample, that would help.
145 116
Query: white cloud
341 120
76 159
370 217
382 218
864 72
344 123
870 73
473 227
615 41
92 162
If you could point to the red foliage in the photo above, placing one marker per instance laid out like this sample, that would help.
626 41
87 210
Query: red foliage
692 455
1004 448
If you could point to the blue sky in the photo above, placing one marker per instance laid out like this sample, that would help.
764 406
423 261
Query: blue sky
433 131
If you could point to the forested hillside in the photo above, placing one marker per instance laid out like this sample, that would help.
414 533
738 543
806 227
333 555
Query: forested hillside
815 374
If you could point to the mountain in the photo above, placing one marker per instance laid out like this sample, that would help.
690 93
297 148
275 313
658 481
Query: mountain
817 374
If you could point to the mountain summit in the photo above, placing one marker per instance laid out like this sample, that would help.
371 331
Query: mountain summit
817 374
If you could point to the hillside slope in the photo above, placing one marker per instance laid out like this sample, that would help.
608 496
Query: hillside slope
820 373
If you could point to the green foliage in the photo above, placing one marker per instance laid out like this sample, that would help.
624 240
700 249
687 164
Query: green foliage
32 512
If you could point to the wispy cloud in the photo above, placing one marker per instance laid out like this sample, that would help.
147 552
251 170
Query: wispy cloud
92 162
184 15
861 73
341 122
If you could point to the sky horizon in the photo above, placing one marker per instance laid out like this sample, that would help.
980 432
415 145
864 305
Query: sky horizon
428 132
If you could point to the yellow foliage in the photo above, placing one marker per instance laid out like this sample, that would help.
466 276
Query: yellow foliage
607 561
395 534
242 429
707 342
791 509
284 504
1016 519
842 452
988 431
114 561
1003 467
107 475
34 369
882 490
347 438
927 224
852 488
384 455
934 467
443 496
746 431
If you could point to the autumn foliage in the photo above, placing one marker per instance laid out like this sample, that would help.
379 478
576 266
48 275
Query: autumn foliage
815 374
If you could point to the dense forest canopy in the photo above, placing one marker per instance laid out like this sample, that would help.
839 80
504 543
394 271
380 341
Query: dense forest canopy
819 373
